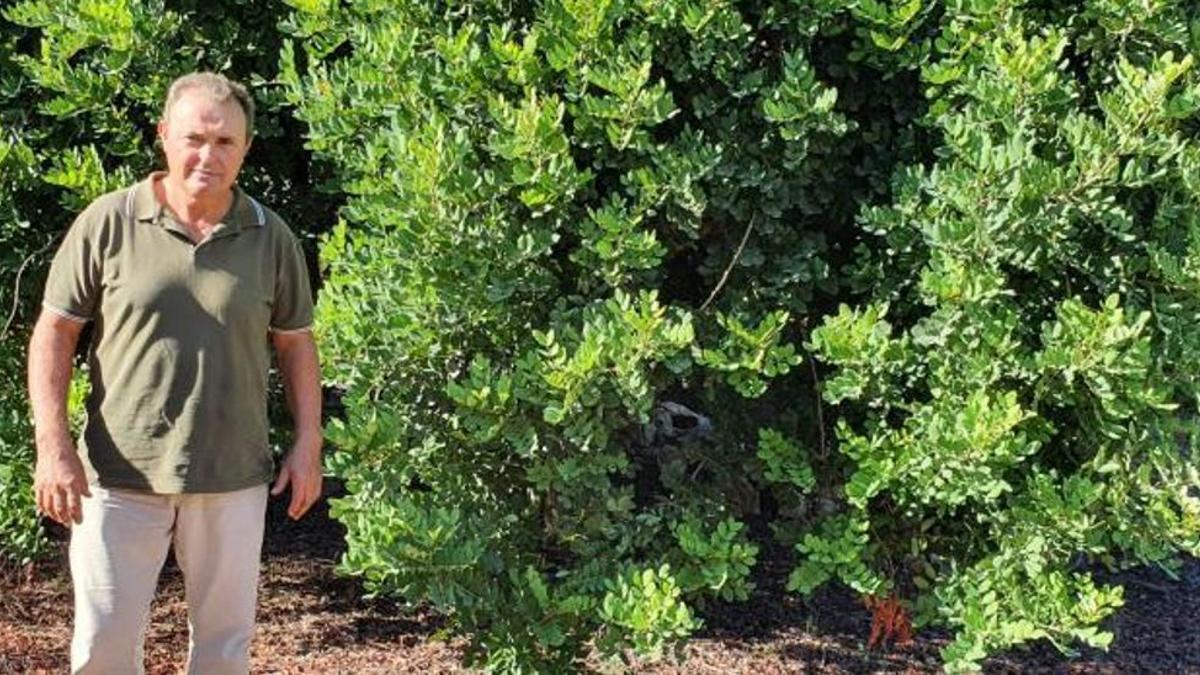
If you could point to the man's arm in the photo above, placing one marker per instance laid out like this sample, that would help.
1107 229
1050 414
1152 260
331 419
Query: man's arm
58 478
297 355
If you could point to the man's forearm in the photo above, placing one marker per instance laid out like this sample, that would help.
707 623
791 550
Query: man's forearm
302 383
50 352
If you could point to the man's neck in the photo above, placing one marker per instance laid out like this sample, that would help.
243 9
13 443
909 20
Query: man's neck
193 212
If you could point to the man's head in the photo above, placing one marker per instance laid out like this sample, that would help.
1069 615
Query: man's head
205 131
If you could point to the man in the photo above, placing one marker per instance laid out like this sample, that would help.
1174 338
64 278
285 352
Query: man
185 279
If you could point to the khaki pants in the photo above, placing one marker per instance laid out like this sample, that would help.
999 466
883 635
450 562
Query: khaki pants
118 551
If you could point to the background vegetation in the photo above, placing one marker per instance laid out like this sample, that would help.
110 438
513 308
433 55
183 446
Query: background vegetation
621 292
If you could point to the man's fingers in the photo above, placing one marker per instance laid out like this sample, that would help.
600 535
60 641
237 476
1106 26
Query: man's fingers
307 497
282 481
299 496
306 489
41 500
59 488
58 506
74 507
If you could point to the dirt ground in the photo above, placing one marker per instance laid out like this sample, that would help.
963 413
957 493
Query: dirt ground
311 621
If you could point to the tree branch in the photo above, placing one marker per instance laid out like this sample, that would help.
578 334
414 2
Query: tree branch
736 254
16 301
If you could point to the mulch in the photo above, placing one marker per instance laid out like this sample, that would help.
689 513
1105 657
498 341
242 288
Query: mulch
313 621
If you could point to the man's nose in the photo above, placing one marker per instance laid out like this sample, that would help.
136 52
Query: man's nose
206 151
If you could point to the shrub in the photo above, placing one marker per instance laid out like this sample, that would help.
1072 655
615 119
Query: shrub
540 195
580 249
1019 387
22 536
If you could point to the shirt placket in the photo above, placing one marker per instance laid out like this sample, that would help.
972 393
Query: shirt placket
195 249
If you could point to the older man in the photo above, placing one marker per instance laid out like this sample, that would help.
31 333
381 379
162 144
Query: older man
187 281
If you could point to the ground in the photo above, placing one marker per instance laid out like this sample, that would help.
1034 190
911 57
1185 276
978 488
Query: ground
312 621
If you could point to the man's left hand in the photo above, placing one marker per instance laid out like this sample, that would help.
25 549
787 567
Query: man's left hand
302 471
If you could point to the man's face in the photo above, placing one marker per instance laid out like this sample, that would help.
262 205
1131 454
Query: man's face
204 142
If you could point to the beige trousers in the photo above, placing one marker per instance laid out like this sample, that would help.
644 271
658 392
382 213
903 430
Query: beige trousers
118 551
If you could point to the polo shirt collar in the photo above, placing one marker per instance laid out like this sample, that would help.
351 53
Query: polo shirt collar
141 204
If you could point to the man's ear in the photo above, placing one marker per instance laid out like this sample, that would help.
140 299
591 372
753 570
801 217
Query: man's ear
161 129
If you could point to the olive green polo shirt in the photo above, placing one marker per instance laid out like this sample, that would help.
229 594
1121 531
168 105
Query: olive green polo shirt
180 346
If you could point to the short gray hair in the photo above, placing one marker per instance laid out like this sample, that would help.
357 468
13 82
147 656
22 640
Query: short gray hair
216 85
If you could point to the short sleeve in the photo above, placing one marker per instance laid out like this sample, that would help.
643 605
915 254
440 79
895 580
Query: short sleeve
73 286
292 309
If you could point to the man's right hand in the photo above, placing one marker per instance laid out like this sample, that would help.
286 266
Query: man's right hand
59 484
